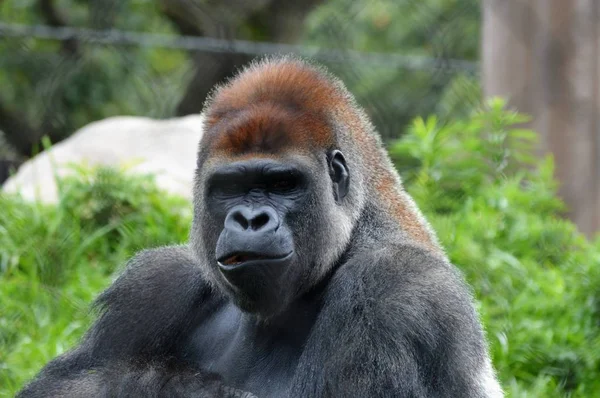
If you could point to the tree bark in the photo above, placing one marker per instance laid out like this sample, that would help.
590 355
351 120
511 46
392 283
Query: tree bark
544 57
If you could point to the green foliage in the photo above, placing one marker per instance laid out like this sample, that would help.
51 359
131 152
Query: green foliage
493 205
55 259
393 95
50 88
101 199
537 279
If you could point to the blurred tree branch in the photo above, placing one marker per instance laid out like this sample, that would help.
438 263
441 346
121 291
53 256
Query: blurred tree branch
20 134
272 20
53 17
17 131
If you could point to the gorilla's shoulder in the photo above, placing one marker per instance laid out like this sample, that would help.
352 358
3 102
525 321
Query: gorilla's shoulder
155 276
393 269
403 288
160 296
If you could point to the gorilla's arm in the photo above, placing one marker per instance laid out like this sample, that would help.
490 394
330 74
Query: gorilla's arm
121 379
396 323
126 352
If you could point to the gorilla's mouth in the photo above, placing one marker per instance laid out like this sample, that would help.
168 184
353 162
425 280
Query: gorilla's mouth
238 258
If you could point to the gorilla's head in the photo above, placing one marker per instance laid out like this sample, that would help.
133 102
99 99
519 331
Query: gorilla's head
275 196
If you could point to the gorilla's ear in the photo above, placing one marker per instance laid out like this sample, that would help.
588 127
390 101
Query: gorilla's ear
338 171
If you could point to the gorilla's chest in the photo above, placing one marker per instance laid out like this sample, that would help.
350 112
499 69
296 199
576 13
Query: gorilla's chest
258 358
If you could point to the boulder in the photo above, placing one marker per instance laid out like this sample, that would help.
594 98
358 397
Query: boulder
164 148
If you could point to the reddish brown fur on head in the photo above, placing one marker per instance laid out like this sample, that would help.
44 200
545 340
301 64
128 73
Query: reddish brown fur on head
270 107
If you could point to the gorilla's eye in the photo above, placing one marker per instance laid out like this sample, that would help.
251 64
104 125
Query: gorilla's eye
284 183
232 187
227 188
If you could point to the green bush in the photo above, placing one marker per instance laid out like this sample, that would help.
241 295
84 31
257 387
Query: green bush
496 212
493 205
55 259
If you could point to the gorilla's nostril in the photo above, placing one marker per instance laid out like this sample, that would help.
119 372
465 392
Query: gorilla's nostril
240 220
246 219
260 221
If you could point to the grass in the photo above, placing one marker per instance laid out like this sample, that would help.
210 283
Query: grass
54 260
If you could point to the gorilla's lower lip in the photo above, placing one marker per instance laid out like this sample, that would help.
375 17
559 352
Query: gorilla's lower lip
241 259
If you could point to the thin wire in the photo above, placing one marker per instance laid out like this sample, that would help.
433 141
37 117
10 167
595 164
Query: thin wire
207 44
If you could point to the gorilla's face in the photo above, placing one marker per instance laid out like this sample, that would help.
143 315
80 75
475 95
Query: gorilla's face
264 225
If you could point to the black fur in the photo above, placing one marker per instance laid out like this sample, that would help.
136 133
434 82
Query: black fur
128 352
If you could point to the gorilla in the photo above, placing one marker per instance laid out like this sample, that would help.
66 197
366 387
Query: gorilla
309 271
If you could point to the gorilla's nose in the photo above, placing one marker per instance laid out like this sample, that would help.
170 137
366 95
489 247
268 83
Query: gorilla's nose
246 219
253 236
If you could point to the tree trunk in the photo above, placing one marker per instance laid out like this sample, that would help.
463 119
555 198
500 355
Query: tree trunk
544 57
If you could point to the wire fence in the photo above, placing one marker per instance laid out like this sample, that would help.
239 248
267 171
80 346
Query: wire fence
66 64
211 45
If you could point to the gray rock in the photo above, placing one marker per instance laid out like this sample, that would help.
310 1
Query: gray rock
164 148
